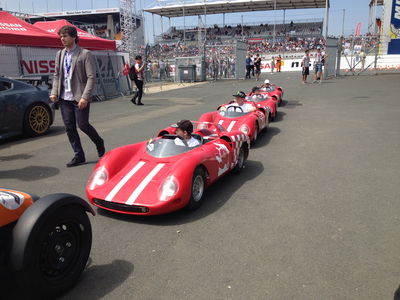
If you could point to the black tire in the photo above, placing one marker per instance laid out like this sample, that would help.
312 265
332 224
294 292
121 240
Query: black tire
37 119
255 137
57 253
241 159
197 189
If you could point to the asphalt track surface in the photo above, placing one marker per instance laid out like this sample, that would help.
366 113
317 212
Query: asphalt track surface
314 215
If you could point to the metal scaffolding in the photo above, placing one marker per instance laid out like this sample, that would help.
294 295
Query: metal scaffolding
128 27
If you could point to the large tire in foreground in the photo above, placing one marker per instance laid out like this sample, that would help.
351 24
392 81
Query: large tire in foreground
37 119
57 253
197 189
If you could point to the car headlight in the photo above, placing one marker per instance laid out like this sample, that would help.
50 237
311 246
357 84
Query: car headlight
98 178
168 188
245 129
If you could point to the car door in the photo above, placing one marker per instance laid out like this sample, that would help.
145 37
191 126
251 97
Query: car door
10 112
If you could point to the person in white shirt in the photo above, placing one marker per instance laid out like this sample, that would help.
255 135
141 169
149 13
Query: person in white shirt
305 63
184 129
239 101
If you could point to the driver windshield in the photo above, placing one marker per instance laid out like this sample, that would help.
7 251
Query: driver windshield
257 98
166 146
268 89
232 112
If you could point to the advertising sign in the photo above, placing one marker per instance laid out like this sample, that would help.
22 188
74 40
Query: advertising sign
394 44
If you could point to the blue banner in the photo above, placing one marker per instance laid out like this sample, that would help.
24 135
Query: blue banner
394 44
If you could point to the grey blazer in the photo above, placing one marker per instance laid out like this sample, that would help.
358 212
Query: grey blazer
83 76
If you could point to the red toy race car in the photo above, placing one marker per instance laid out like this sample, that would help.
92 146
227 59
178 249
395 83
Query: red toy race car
160 175
45 242
234 118
267 103
271 90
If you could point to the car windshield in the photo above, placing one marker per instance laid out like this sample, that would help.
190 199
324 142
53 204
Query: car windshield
268 89
257 98
230 113
166 146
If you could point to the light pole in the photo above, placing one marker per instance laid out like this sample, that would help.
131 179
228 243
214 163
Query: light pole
344 12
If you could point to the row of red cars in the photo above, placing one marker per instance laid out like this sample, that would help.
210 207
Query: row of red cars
157 176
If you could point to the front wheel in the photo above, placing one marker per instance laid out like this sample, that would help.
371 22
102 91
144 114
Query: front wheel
37 119
240 161
57 252
255 136
197 191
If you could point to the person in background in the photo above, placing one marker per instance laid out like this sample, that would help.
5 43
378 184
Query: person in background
320 58
257 65
73 83
278 63
305 64
272 64
252 65
139 68
248 66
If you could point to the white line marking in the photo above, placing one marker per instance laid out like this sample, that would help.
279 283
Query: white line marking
143 184
231 125
124 180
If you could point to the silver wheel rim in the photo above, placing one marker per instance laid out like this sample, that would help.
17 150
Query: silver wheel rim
198 188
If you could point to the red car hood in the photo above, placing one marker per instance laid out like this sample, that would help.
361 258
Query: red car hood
137 183
228 123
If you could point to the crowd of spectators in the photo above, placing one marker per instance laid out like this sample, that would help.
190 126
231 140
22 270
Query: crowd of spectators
262 30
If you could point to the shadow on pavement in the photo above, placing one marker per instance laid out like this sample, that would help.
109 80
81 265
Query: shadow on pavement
214 198
15 157
19 139
279 117
265 137
95 282
100 280
30 173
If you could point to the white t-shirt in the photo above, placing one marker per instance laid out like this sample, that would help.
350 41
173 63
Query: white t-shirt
245 107
306 61
139 74
192 142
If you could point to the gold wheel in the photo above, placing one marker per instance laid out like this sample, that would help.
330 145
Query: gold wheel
38 119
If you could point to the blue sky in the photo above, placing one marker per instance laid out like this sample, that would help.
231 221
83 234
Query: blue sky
355 11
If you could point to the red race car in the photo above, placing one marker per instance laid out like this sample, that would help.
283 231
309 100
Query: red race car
160 175
233 118
267 103
270 89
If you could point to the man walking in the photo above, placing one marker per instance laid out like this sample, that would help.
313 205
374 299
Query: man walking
138 68
272 64
73 83
257 64
320 58
305 63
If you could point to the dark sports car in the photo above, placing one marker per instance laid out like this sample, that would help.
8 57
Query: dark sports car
24 109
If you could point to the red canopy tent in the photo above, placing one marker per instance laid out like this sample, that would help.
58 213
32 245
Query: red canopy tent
14 31
86 40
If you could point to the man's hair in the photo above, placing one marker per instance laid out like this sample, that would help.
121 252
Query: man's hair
138 57
307 51
70 30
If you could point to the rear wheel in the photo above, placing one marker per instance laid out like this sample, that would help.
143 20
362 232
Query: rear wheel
197 191
37 119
